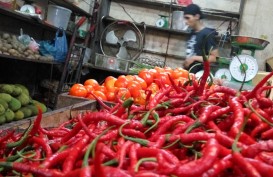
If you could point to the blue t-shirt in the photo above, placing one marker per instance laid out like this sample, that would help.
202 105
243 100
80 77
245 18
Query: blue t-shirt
194 45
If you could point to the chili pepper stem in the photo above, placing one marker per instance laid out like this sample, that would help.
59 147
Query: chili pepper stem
151 159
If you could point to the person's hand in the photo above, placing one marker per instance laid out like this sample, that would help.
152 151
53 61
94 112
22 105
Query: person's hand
188 62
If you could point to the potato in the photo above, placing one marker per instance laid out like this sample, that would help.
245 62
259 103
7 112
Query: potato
12 51
37 56
4 49
8 46
6 35
6 53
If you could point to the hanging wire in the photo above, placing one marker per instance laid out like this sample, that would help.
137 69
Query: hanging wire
126 12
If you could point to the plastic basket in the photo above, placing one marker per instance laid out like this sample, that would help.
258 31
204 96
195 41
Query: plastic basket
108 62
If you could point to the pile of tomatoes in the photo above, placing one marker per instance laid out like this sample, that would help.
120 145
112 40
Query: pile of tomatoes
125 86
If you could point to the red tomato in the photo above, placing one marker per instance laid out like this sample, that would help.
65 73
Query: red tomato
130 78
134 88
101 88
78 90
163 78
91 82
99 94
180 81
141 81
89 88
111 96
153 87
110 82
141 98
123 93
153 72
146 76
121 82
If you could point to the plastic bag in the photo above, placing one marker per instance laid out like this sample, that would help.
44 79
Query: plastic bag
56 48
60 45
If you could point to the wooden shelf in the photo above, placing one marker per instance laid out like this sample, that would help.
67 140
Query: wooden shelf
151 27
29 60
174 6
104 69
75 9
32 20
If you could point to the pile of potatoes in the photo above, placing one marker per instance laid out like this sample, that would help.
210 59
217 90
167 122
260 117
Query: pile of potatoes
10 45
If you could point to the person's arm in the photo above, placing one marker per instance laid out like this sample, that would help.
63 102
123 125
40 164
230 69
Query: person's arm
211 58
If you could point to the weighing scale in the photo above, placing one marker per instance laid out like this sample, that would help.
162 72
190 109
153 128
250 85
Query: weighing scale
162 22
242 67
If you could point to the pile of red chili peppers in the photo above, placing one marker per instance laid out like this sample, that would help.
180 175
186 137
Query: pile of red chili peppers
184 130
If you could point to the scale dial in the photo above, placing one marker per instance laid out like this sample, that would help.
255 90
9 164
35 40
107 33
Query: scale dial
200 73
236 67
223 73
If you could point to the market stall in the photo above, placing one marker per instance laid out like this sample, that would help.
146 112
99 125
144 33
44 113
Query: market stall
124 99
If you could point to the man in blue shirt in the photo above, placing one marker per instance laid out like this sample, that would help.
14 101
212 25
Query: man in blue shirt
199 34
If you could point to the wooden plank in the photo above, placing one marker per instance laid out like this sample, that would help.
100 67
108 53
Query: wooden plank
53 118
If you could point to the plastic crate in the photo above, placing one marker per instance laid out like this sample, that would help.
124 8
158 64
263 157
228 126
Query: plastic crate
113 63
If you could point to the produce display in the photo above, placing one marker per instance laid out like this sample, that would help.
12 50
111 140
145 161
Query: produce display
10 45
148 81
184 130
16 104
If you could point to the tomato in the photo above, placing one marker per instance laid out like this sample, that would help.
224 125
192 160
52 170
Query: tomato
89 88
134 88
130 78
121 82
109 82
91 82
78 90
99 94
153 87
141 81
163 78
146 76
101 88
153 72
141 98
168 70
180 81
111 96
123 93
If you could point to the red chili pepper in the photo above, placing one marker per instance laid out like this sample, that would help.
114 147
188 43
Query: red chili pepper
203 117
8 135
219 112
267 134
201 88
37 123
25 168
263 168
73 155
221 89
259 129
259 85
218 167
101 103
159 95
168 124
133 157
263 101
209 157
41 142
182 109
254 149
266 157
122 153
198 136
55 159
244 165
80 172
226 141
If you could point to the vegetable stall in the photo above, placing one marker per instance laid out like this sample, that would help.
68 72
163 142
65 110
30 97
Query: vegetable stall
218 132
